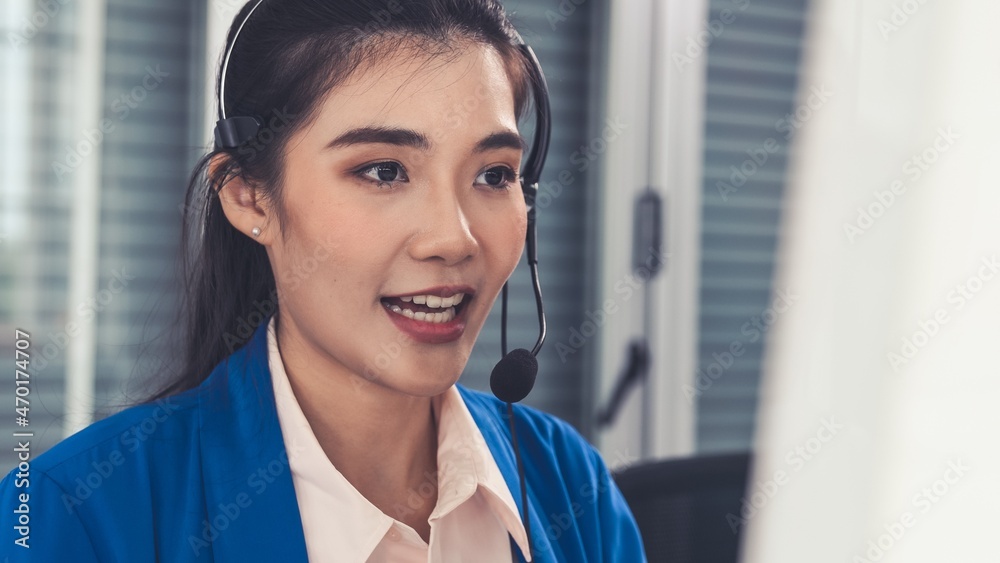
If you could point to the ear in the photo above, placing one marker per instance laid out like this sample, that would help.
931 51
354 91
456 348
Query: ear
243 206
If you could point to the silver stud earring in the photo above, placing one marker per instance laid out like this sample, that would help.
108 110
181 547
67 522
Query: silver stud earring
256 231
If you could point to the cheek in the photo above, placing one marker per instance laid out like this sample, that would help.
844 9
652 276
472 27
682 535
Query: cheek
302 265
325 218
335 211
306 259
504 238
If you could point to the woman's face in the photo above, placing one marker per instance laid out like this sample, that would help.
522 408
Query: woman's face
400 199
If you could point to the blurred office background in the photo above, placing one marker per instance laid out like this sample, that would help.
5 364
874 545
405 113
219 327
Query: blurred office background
91 218
751 122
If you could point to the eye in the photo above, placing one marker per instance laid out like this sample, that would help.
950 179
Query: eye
383 173
497 178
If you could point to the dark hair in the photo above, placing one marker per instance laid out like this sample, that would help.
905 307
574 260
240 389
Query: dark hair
290 53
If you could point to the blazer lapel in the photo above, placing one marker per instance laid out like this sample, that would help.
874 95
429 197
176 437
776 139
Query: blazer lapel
492 422
252 511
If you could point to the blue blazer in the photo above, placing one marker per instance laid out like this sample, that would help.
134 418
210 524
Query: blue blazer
203 476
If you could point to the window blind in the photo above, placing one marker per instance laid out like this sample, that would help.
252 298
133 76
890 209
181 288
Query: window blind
153 98
146 154
38 56
751 83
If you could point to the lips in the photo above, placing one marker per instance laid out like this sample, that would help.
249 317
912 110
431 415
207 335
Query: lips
416 302
412 312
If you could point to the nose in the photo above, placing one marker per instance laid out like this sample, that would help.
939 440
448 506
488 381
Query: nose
444 231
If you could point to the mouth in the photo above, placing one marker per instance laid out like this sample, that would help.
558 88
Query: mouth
432 315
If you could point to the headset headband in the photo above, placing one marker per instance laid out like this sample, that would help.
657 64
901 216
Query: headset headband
232 132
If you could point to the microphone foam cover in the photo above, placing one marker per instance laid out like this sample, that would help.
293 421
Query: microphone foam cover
514 376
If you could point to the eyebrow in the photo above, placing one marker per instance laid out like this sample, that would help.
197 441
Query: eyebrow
409 138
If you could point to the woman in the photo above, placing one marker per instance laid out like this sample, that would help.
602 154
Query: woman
356 234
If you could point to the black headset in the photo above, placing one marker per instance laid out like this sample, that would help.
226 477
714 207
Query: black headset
514 375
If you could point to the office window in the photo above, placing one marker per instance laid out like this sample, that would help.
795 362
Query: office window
750 91
37 60
149 52
152 93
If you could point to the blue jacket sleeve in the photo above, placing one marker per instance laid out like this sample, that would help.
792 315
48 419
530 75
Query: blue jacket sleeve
35 525
620 533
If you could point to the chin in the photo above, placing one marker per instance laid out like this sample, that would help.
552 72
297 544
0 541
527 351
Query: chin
427 381
421 373
424 388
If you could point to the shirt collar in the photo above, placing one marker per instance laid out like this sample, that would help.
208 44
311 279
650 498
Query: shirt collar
465 466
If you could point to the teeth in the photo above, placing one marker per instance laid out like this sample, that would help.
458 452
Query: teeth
445 304
434 301
442 317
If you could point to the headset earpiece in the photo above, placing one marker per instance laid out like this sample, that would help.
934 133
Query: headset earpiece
235 131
